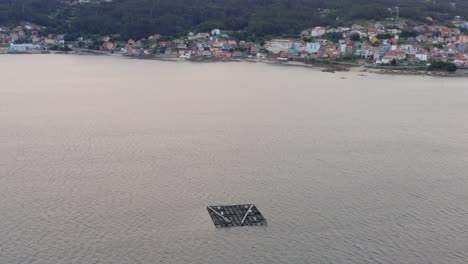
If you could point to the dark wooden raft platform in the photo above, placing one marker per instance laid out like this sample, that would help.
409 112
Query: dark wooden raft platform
236 215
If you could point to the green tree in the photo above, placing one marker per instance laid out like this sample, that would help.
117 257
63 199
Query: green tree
408 33
451 67
334 36
355 37
141 18
442 66
384 36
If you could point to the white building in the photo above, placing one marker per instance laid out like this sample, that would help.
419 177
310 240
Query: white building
215 32
318 32
24 47
422 56
342 48
278 45
313 48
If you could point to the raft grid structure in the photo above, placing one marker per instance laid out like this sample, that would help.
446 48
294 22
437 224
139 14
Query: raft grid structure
236 215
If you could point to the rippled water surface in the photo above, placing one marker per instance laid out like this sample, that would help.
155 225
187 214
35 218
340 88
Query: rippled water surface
113 161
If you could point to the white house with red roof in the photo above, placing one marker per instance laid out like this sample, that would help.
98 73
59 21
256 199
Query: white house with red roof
393 55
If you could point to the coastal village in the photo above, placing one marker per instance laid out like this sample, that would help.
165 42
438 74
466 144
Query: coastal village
370 43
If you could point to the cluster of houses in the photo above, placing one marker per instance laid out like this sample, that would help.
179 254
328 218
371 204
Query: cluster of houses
209 45
28 38
375 43
378 44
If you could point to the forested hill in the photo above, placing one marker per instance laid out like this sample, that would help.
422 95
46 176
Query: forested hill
137 18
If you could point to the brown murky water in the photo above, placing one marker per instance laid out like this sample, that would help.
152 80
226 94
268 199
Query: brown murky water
112 161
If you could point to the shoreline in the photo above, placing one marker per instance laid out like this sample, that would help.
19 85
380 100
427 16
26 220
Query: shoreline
324 67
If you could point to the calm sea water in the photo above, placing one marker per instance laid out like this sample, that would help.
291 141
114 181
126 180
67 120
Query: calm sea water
111 161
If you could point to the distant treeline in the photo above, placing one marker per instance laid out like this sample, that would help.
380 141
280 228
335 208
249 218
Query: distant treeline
140 18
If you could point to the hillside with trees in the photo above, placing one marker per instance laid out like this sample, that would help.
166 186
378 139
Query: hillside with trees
253 18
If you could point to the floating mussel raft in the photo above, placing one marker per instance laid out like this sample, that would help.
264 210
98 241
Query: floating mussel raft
236 215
